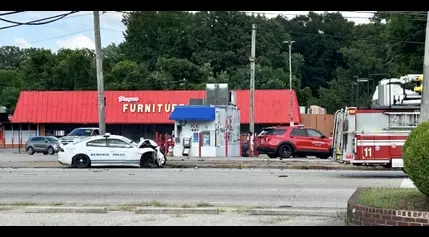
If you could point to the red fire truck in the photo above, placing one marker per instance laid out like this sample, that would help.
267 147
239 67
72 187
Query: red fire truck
375 136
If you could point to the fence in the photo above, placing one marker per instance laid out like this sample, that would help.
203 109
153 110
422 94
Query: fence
321 122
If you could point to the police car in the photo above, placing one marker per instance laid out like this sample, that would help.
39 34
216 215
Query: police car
111 150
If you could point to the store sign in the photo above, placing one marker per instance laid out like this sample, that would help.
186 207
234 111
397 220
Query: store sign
128 99
130 106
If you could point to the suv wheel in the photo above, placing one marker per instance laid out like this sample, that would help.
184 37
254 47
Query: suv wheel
285 151
30 150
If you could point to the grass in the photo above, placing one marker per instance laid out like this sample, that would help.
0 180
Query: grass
145 204
6 208
243 210
23 204
58 204
204 204
394 198
274 220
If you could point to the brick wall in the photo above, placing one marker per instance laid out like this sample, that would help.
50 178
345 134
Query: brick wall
358 215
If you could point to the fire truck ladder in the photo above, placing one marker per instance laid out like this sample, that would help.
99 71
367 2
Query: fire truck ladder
406 120
339 119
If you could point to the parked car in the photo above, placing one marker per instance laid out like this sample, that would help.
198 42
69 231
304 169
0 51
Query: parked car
285 142
42 144
79 133
244 146
102 150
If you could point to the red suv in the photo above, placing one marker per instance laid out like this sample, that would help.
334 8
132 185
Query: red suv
293 141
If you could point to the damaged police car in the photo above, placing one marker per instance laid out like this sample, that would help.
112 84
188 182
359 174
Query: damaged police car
111 150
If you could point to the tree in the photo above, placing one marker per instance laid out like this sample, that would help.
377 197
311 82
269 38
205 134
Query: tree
128 76
38 69
75 70
8 97
416 159
10 57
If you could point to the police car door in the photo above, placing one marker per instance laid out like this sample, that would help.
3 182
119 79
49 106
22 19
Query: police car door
98 152
119 151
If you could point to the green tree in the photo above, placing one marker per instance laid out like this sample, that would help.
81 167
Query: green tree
75 70
10 57
416 159
38 69
8 97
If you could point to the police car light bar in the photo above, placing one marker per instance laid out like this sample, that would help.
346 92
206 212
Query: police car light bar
106 135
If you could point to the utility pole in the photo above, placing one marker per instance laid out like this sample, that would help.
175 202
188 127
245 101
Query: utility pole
252 80
291 123
424 108
100 81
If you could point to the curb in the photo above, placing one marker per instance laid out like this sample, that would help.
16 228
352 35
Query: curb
299 212
172 210
202 165
265 166
97 210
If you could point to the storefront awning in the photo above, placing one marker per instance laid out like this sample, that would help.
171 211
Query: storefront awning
142 107
193 113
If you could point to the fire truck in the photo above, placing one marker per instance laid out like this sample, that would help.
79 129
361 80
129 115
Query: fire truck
375 136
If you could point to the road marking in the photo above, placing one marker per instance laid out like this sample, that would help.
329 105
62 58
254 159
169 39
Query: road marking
407 183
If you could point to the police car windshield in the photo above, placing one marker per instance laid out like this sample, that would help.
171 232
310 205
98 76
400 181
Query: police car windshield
52 139
81 132
131 142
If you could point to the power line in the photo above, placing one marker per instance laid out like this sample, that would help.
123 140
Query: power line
46 20
56 37
61 36
38 22
10 13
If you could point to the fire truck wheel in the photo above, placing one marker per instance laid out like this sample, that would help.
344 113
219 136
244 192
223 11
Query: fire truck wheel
285 151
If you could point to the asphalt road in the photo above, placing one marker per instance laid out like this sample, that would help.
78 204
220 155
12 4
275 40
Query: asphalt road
220 187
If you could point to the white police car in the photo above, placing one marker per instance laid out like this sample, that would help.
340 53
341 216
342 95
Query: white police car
111 150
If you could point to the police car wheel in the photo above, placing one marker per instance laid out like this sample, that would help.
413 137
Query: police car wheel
148 160
81 161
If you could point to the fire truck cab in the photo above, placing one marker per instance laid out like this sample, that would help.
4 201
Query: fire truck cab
375 136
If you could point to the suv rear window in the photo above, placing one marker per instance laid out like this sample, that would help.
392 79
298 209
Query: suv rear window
299 132
275 132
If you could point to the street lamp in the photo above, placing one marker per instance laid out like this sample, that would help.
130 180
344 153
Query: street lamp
357 82
290 81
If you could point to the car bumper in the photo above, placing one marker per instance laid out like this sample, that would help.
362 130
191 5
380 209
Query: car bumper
64 159
265 149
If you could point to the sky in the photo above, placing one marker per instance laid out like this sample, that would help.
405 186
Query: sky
76 31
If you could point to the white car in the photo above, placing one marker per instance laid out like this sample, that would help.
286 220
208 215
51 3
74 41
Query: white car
111 150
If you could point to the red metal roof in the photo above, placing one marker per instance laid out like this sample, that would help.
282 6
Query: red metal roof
271 106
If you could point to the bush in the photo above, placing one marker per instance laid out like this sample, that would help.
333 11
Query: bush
416 157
